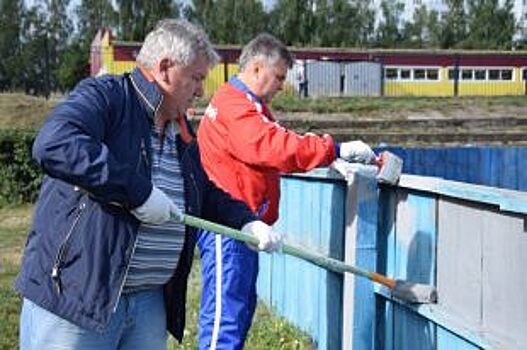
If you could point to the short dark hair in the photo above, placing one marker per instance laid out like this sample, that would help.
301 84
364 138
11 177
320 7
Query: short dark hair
268 47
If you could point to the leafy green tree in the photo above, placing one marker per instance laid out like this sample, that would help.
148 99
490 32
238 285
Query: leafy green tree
490 26
453 24
434 30
201 12
93 15
10 23
36 75
228 21
59 28
138 17
340 23
416 33
74 66
294 21
424 31
388 31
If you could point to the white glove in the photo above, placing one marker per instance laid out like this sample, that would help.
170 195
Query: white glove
157 209
356 152
270 241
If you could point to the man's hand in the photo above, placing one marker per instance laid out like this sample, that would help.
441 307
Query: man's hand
270 241
356 152
157 209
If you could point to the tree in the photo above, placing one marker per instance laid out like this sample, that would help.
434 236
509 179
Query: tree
137 18
388 32
10 22
340 23
59 28
228 21
34 57
424 30
293 21
490 26
93 15
453 24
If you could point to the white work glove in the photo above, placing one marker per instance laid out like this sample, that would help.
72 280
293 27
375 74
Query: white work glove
269 240
356 152
157 209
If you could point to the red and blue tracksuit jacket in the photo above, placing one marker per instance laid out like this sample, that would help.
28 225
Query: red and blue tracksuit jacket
244 150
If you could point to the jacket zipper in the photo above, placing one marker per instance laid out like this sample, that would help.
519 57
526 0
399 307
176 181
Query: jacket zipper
143 155
55 271
121 287
185 155
125 275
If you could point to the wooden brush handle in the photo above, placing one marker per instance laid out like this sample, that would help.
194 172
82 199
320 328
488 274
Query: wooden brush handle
385 281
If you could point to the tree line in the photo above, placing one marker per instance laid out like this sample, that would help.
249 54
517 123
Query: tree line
44 45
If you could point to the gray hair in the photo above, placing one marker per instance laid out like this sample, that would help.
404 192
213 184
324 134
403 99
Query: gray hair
267 47
178 40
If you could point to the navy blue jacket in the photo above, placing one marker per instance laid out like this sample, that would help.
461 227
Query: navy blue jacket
95 151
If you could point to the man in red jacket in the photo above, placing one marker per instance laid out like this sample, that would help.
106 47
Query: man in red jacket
244 150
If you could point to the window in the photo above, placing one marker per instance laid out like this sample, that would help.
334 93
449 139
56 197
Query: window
453 74
484 74
494 74
480 74
432 74
419 74
506 74
466 74
411 74
391 73
406 74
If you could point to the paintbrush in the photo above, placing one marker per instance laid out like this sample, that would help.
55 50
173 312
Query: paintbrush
390 168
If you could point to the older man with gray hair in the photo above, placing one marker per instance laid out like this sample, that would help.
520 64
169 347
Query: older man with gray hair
107 258
244 150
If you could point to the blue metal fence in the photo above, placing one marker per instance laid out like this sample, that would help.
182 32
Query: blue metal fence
466 240
504 167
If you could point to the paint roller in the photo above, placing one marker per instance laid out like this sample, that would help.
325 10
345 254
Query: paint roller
403 290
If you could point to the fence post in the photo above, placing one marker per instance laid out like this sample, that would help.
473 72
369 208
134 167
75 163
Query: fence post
225 69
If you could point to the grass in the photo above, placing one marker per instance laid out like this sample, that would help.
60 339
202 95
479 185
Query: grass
267 332
18 110
365 105
21 111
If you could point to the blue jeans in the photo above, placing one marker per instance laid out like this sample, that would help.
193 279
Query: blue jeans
138 323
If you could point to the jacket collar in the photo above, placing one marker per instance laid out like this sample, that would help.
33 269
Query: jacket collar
238 84
146 88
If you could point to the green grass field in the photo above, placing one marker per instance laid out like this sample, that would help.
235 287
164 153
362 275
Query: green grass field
21 111
267 332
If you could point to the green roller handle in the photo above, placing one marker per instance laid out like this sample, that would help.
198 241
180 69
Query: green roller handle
317 259
406 291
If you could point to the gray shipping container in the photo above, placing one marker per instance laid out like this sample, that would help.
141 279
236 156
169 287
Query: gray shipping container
362 79
323 79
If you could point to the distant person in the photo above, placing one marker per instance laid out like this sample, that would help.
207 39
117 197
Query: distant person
107 258
302 80
244 150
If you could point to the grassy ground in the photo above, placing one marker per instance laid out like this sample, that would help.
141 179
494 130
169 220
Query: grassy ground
22 111
365 105
267 332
